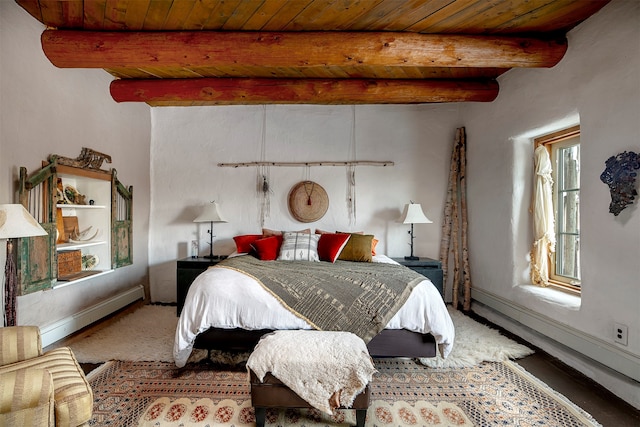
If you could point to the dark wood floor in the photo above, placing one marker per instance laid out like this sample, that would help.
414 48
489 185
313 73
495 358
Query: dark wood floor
608 409
604 406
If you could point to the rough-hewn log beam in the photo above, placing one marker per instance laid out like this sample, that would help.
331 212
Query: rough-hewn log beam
88 49
299 91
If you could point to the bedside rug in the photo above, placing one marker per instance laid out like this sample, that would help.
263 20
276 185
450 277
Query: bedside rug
476 343
145 335
489 394
148 334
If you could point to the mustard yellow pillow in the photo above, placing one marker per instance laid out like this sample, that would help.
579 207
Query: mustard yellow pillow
358 248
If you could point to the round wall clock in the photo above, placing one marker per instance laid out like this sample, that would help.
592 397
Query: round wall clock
308 201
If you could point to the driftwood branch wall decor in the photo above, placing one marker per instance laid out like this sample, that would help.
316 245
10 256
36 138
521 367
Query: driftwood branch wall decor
620 175
307 164
265 188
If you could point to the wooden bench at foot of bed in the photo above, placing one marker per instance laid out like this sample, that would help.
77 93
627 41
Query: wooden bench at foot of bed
388 343
311 369
272 393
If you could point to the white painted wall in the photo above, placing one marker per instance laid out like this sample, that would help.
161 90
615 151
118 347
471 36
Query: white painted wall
45 110
188 143
597 84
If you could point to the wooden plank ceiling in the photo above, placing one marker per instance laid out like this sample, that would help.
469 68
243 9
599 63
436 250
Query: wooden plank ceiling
209 52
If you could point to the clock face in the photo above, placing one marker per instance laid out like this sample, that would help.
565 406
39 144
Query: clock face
308 202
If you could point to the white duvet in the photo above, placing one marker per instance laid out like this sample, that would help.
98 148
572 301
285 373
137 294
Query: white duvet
228 299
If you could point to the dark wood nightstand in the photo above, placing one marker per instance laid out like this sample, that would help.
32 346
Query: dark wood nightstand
187 270
430 268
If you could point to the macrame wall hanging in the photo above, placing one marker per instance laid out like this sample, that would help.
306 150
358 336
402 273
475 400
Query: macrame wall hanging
264 175
351 171
263 167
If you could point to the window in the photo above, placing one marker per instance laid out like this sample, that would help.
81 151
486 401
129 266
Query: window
564 150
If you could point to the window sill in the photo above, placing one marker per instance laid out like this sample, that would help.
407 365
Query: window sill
553 296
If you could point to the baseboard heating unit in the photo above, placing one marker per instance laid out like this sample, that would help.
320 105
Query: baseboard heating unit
67 326
615 358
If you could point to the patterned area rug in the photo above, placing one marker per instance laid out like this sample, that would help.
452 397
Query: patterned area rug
490 394
205 413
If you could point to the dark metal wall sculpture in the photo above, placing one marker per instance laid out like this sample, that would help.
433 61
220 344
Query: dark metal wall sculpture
620 175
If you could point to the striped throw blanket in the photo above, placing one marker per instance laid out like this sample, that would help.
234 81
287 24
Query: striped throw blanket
356 297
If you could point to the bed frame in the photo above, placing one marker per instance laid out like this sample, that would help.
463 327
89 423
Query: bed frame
388 343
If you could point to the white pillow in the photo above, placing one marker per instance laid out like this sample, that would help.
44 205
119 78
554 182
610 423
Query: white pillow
299 247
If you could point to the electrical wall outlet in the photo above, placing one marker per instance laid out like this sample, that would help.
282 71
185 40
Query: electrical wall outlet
620 333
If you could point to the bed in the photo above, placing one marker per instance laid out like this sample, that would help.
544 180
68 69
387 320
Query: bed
229 309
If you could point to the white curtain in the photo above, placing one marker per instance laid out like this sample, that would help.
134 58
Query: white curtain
543 221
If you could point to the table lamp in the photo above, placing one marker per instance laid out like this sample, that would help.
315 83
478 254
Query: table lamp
210 214
15 222
413 214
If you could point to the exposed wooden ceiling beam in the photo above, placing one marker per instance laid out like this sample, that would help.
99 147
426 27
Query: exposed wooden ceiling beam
192 49
222 91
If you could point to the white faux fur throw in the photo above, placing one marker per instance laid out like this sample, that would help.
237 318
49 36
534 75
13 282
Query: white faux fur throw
326 369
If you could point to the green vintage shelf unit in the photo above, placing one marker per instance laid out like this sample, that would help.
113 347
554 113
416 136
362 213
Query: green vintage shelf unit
110 215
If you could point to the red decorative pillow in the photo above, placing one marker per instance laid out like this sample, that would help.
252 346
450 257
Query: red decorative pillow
267 249
330 246
243 243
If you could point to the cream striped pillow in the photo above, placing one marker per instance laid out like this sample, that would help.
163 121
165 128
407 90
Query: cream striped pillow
299 247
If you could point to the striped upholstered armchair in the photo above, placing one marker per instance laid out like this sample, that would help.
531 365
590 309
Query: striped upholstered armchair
40 389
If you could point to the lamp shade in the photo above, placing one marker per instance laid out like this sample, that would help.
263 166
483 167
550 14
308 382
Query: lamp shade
16 221
413 214
211 213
